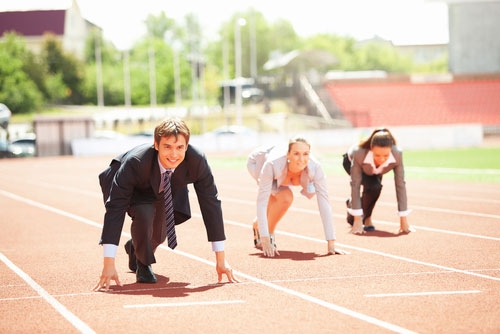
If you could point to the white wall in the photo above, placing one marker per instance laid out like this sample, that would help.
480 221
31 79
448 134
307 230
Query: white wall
409 138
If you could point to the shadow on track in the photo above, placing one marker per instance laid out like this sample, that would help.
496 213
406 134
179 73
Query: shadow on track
163 288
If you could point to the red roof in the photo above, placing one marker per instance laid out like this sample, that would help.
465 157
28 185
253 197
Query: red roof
406 103
33 23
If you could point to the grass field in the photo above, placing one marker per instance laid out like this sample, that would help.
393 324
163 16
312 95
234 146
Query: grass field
464 165
471 164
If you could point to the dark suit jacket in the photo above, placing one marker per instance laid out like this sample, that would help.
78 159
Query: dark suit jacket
358 167
133 178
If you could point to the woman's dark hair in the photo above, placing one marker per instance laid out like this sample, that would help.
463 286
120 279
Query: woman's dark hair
380 137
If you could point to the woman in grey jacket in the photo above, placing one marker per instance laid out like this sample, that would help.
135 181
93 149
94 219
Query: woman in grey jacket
275 172
366 163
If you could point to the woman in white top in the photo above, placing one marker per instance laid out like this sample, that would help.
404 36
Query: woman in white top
275 172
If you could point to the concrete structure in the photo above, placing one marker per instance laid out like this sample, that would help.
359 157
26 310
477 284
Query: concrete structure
54 134
474 46
61 18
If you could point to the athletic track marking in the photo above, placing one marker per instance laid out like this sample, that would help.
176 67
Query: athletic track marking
85 328
60 308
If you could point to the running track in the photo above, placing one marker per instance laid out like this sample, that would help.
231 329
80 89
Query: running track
444 278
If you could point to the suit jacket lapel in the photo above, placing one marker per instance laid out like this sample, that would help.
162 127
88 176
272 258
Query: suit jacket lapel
155 178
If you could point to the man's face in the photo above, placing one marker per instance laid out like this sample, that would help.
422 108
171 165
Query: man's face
171 150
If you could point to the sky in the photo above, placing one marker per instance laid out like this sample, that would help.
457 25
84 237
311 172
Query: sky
401 21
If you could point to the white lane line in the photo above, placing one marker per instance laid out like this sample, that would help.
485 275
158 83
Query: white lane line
94 224
50 208
471 198
306 297
442 210
366 250
431 229
457 198
415 207
303 296
428 293
184 304
444 170
11 285
90 293
60 308
470 235
455 212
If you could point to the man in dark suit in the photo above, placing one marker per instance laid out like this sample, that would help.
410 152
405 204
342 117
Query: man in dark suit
134 184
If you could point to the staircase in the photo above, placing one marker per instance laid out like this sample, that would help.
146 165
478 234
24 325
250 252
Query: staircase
318 102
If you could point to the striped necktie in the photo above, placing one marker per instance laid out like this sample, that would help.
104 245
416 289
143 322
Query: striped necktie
169 210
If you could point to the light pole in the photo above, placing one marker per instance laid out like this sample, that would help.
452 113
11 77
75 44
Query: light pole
226 87
98 67
177 75
171 40
152 76
237 65
253 46
126 80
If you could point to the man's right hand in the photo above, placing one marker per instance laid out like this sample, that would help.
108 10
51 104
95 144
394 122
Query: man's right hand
108 274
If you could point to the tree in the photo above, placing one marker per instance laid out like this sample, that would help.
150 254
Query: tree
17 90
157 26
109 53
268 38
64 65
57 77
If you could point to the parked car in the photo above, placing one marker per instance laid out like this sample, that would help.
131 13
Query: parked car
5 114
5 149
24 147
233 130
226 138
249 91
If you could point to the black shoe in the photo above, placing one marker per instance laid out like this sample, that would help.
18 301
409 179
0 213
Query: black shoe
145 273
349 218
132 261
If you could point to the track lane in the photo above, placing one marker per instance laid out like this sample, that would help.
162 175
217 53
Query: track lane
341 281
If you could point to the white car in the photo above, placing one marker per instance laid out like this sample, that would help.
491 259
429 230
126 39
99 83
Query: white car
226 138
24 147
4 116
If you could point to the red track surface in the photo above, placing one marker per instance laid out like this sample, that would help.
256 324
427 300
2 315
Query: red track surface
444 278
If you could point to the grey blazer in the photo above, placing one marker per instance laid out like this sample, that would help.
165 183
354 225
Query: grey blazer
357 157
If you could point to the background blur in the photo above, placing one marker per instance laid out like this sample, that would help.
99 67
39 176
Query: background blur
242 75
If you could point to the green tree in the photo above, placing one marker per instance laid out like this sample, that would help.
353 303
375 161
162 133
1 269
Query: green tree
108 52
439 65
341 47
64 65
382 56
17 90
112 76
268 38
157 26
